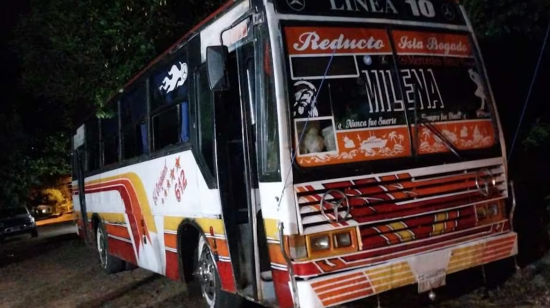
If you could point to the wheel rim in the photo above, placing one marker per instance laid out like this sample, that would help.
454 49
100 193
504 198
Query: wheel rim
101 247
207 277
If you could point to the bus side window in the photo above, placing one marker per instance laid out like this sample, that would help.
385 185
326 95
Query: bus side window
92 145
166 127
169 103
109 137
205 104
133 106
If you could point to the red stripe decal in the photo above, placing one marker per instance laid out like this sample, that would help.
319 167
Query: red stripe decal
172 265
121 249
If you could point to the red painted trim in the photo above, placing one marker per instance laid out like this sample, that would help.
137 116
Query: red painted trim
131 205
310 269
119 231
282 289
172 265
225 270
121 249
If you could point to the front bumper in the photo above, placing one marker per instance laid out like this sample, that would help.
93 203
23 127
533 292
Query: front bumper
17 230
367 281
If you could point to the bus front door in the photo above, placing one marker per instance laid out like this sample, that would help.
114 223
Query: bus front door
238 183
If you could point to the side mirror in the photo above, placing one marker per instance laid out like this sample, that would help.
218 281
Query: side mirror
216 57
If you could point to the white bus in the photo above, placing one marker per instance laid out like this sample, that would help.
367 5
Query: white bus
302 153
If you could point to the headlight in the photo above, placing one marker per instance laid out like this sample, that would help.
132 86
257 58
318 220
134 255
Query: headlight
320 243
491 212
342 240
481 212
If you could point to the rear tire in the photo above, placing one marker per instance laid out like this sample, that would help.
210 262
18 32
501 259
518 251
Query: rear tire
209 280
109 263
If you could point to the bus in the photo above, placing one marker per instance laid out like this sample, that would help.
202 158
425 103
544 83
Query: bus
302 153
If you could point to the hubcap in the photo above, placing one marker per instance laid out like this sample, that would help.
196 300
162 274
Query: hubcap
101 247
207 276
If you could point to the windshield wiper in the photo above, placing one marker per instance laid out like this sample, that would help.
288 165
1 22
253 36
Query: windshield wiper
430 125
448 143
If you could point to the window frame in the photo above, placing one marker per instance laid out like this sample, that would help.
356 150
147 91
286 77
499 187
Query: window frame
117 138
305 174
266 104
97 145
133 125
209 172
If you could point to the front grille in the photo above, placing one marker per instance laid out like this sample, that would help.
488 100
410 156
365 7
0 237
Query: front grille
405 207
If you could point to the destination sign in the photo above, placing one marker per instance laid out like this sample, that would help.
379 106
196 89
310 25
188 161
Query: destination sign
436 11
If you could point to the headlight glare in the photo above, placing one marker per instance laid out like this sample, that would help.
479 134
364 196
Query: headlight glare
342 240
320 243
493 209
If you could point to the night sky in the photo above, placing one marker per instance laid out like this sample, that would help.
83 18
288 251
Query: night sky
10 10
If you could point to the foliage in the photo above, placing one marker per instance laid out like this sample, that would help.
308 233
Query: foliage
82 52
538 135
18 169
73 56
25 160
496 19
53 196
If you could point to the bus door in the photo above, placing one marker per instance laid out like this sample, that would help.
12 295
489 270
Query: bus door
236 159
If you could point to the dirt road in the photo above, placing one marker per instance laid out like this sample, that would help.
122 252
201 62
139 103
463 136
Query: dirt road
58 270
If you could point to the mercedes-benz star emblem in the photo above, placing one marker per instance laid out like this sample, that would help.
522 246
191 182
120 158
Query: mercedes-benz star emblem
447 11
485 182
335 205
296 5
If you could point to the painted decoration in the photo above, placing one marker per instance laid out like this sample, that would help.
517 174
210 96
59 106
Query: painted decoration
355 99
169 84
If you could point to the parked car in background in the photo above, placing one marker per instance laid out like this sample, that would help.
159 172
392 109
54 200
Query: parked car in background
43 211
16 221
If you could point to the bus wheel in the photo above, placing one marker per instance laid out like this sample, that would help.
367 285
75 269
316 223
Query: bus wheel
109 263
209 280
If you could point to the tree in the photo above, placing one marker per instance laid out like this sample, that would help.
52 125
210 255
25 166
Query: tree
496 19
17 172
73 56
81 53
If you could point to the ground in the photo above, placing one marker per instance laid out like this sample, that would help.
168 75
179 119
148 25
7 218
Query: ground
58 270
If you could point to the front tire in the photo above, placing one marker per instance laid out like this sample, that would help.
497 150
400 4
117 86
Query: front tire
209 280
109 263
34 233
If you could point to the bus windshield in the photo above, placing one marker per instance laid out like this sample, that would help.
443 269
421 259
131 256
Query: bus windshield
363 93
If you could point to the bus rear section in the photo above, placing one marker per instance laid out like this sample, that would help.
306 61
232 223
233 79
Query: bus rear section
398 164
